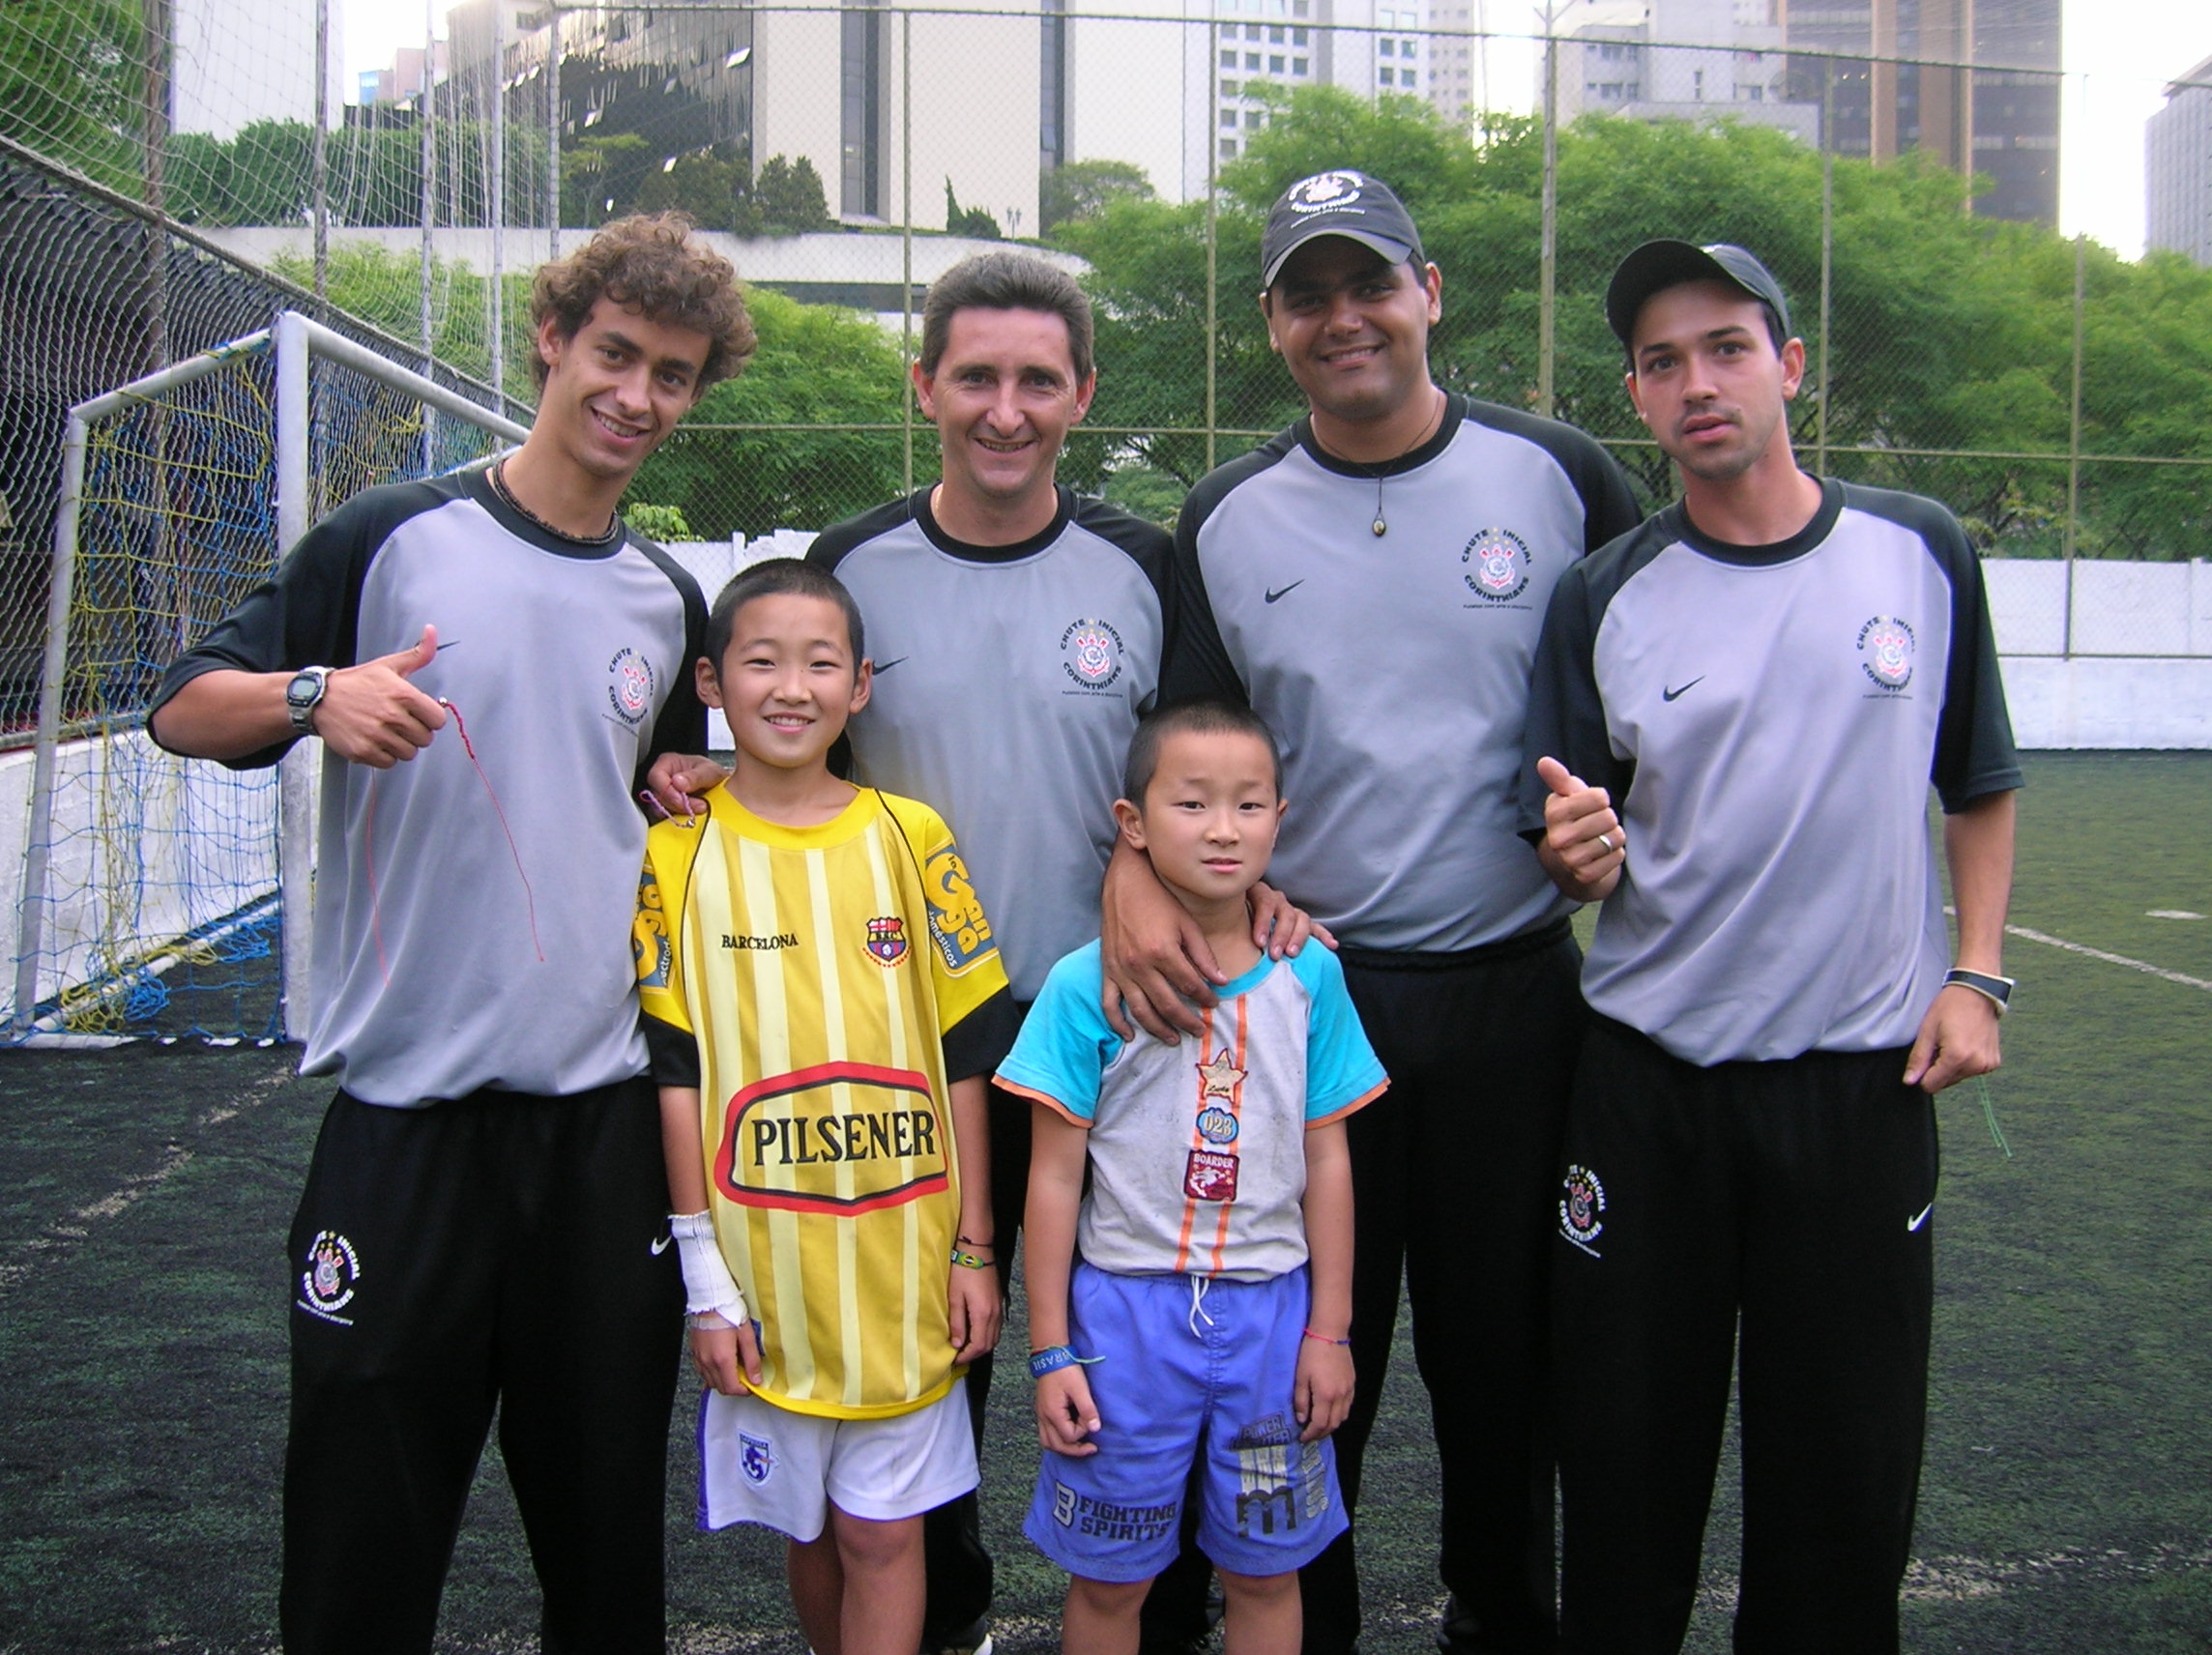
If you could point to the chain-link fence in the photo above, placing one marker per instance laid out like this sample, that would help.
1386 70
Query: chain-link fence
171 171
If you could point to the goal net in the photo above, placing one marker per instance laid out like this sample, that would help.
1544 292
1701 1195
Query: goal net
167 895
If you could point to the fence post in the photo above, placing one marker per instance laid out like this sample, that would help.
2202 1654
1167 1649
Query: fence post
496 213
1547 297
2074 450
319 160
1827 259
906 243
1212 240
552 133
294 774
427 106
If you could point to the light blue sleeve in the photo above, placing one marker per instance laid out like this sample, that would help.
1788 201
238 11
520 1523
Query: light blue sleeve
1341 1067
1066 1042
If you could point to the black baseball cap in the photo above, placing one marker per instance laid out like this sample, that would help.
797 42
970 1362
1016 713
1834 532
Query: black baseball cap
1656 266
1339 203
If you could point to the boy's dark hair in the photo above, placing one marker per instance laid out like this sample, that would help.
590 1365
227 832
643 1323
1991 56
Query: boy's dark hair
649 262
1006 281
1198 716
775 577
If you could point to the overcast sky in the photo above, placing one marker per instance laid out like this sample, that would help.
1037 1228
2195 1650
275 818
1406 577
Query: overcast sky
2119 55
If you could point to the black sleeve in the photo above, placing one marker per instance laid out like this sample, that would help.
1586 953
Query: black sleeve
682 727
976 1043
308 613
1566 717
1196 660
672 1053
1974 752
1609 503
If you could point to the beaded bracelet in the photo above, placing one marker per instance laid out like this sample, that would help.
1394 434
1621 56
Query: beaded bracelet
1053 1358
1324 1338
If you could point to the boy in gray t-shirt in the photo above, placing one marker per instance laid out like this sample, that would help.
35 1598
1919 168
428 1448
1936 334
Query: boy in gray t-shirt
1216 1236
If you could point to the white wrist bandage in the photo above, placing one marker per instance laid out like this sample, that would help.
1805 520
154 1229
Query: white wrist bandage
708 1285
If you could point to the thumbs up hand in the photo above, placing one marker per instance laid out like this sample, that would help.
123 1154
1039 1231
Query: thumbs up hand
1584 847
371 714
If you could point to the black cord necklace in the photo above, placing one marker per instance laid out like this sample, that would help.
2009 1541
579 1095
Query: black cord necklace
498 475
1382 469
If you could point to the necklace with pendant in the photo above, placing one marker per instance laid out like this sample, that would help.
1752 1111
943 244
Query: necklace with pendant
1380 471
498 475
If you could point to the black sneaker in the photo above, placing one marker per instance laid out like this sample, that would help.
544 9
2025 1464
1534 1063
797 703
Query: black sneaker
974 1638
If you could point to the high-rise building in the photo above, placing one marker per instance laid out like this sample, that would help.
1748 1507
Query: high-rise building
2177 168
1984 99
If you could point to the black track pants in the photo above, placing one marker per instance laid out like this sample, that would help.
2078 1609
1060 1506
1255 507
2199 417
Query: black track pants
494 1251
1453 1171
1797 1197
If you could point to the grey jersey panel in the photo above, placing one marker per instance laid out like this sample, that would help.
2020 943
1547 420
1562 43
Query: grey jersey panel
427 980
1006 689
1395 669
1772 722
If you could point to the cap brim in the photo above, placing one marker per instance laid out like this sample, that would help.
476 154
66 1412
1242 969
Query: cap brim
1397 252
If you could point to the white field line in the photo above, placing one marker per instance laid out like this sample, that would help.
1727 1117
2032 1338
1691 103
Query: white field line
67 1234
2143 965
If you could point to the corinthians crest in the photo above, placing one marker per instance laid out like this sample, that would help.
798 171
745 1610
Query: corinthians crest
1887 648
1090 654
1497 565
1325 191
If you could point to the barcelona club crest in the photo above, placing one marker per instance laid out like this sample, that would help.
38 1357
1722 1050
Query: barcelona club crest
1885 651
887 940
1582 1208
756 1458
1496 564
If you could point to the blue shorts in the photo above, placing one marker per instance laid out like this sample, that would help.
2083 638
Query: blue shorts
1193 1371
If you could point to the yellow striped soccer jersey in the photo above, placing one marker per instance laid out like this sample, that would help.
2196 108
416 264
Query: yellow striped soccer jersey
820 969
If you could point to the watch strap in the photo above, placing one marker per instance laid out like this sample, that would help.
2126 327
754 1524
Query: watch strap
1996 990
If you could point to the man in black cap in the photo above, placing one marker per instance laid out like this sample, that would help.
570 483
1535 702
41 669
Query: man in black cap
1372 581
1736 713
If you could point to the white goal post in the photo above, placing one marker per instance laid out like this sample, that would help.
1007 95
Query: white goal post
327 416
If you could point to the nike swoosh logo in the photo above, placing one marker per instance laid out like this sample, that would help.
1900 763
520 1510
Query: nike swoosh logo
661 1246
1665 694
1913 1224
886 666
1284 591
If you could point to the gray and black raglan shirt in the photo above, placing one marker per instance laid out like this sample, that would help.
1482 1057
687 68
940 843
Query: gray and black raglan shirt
1009 680
1394 668
446 958
1768 720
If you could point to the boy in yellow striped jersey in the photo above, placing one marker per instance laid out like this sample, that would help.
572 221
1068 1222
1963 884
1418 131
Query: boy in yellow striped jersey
825 1003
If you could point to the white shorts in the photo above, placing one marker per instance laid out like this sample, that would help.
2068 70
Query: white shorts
762 1463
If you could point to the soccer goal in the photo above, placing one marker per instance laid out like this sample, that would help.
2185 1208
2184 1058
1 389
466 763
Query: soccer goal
162 894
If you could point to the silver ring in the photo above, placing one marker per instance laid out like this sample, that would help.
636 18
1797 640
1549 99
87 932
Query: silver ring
1607 843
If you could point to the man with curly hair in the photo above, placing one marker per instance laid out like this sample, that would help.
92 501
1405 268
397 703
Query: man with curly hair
481 1227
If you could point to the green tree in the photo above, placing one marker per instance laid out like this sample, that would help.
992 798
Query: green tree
789 195
974 222
816 366
1081 189
72 82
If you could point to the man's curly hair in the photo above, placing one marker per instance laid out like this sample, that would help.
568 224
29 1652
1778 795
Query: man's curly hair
649 262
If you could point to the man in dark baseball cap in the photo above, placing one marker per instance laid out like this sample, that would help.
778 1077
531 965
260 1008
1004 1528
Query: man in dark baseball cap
1775 996
1371 582
1656 266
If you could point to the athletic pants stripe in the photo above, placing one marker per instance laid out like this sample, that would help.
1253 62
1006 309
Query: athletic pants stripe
1777 1213
1453 1169
503 1249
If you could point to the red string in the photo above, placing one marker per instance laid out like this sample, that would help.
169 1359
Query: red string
368 851
528 896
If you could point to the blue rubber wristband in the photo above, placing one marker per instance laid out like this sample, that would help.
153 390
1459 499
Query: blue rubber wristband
1053 1358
